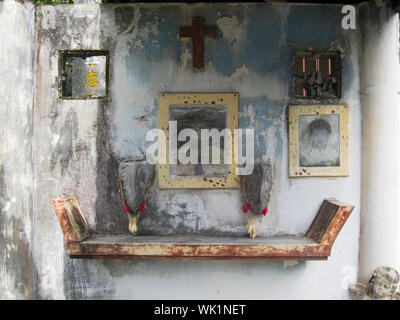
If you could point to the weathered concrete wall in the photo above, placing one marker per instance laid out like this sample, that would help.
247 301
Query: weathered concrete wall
380 82
78 144
17 270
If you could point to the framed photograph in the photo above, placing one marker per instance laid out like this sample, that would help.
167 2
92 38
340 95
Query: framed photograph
193 112
318 140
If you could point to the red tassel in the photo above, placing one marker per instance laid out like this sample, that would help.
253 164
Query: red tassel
246 207
142 207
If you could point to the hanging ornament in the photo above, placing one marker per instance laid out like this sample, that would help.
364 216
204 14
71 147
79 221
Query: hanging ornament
251 225
133 217
265 210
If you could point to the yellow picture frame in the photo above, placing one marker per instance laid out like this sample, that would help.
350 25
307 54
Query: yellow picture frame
165 100
308 166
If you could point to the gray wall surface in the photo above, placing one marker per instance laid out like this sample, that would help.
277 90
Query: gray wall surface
17 271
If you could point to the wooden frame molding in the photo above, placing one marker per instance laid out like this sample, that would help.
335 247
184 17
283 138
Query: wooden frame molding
316 245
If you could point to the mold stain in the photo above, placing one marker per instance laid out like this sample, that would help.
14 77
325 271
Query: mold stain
64 149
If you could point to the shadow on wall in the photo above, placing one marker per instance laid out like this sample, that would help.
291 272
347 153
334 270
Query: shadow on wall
116 279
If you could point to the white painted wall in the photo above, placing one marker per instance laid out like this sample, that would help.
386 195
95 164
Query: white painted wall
380 88
17 273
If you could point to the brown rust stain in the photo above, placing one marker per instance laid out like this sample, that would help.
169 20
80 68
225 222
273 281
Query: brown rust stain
336 225
66 227
210 250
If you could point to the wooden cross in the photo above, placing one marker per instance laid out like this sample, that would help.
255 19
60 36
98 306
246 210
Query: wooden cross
198 32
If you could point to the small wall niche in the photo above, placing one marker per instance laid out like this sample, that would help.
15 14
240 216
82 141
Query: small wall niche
84 74
316 75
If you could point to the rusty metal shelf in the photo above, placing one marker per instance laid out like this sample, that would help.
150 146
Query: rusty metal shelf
316 245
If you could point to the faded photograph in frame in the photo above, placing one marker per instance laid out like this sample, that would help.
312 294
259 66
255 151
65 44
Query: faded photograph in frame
191 110
318 140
